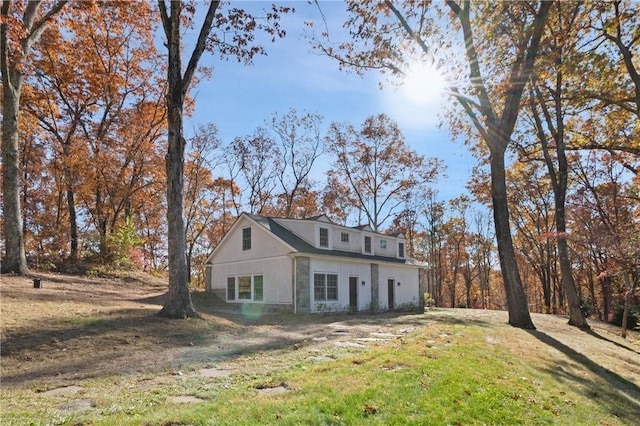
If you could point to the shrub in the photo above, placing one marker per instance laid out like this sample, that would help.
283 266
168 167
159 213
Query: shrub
633 317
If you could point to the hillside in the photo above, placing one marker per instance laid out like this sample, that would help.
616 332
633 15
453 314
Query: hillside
98 340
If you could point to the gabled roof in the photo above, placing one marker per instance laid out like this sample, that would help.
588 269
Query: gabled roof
320 218
363 227
303 247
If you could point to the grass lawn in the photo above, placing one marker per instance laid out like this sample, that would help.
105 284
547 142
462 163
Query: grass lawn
457 367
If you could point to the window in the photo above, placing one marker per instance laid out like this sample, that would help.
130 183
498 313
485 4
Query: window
344 237
400 249
383 244
231 288
325 287
244 288
246 239
249 288
367 244
332 287
258 292
324 237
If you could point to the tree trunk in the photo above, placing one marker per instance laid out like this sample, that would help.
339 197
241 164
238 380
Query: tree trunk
178 304
576 317
71 207
15 259
516 298
605 283
629 289
11 67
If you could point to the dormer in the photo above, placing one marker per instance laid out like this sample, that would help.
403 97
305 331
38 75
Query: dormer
401 245
323 236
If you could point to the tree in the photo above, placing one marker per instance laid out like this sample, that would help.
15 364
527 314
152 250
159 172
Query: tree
612 95
391 34
200 191
258 159
380 171
242 25
300 146
482 256
17 36
95 91
433 243
548 112
532 206
614 208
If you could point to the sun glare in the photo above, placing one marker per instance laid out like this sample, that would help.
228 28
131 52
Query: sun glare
423 84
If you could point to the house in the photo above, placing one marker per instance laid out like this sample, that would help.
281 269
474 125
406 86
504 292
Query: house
313 265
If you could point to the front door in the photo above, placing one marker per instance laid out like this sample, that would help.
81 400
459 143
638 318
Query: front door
353 294
390 294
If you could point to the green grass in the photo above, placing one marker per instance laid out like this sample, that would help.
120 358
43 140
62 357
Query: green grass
437 375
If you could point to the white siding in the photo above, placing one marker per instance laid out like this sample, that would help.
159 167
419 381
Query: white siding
276 272
344 270
404 294
353 245
390 250
263 245
305 229
271 257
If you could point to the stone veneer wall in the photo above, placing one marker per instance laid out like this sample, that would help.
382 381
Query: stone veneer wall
303 287
375 287
422 276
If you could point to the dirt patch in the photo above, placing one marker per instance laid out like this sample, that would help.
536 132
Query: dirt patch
75 328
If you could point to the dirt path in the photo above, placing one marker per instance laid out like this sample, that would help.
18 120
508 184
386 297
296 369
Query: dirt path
75 328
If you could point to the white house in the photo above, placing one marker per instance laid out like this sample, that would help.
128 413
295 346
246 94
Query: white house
313 265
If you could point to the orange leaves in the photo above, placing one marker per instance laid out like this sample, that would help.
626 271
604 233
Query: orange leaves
370 410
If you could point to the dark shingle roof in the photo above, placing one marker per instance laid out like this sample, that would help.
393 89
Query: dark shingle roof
302 246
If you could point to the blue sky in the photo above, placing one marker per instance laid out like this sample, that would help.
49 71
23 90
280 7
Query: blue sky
239 98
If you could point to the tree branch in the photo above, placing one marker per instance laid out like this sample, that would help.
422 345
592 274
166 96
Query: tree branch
200 47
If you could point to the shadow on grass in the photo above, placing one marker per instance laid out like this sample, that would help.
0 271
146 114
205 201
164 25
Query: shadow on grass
622 397
613 342
78 345
108 343
459 316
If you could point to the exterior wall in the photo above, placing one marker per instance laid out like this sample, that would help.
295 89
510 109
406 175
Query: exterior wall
373 295
276 273
407 294
355 240
263 245
344 270
391 249
288 282
302 280
309 231
422 277
375 287
305 229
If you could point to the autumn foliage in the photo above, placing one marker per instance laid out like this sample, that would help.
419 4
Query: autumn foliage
92 142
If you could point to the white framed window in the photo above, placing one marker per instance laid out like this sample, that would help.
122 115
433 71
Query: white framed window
400 249
383 244
324 237
367 244
325 287
344 237
245 288
246 239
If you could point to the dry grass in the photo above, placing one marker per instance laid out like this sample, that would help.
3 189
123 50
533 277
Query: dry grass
100 338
